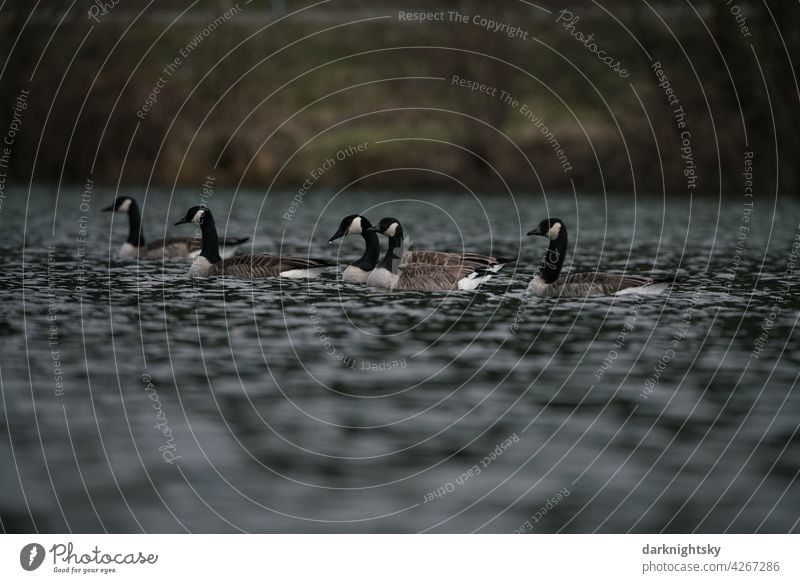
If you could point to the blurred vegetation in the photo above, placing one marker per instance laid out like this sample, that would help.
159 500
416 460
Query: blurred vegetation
262 101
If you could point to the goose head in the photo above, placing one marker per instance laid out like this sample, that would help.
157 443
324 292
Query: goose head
390 227
351 225
122 204
196 214
550 228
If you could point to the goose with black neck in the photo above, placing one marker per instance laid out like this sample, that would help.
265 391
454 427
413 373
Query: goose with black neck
358 271
427 270
209 263
549 282
169 247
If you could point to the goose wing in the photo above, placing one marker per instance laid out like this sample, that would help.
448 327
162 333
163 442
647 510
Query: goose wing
232 241
429 258
474 260
170 247
599 283
266 265
422 277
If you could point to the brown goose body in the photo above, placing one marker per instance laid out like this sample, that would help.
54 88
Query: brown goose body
435 271
474 260
254 266
586 284
422 277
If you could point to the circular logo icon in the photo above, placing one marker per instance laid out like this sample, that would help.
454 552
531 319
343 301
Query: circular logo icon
31 556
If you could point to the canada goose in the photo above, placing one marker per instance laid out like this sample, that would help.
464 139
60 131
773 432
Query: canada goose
427 270
358 271
135 245
209 263
547 282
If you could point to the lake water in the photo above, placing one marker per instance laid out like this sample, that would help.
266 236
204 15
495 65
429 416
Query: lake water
144 402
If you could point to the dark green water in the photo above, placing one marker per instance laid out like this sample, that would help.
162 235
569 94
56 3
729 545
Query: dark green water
281 405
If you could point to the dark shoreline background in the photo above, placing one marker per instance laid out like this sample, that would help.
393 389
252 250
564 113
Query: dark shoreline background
253 102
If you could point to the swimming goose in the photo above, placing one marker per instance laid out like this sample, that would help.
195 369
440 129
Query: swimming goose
135 245
358 271
549 282
427 270
209 263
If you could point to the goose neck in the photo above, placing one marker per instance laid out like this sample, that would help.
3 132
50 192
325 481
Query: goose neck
553 260
210 247
393 253
372 250
135 235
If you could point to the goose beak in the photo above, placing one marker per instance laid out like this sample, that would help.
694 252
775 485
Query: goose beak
337 235
109 209
374 228
535 231
183 221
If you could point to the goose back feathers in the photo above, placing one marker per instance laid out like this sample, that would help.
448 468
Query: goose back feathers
421 277
264 265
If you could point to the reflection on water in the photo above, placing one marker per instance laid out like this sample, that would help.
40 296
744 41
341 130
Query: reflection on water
143 402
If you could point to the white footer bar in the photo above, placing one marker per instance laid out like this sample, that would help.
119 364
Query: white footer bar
401 558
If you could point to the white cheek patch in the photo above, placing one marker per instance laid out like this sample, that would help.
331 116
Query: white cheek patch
125 206
391 230
554 231
355 227
198 216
